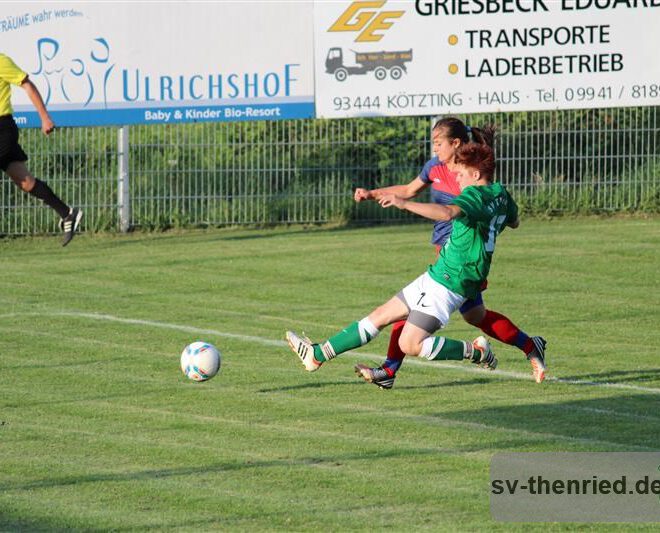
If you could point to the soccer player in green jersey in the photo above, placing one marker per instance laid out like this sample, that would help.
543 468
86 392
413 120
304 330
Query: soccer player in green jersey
438 176
12 156
481 211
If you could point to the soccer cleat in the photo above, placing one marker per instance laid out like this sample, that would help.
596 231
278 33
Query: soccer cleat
69 224
304 349
378 376
537 359
482 354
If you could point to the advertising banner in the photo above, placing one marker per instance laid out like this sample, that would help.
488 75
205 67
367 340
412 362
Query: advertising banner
426 57
98 63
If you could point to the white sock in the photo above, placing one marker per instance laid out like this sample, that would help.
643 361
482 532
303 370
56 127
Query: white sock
366 327
431 348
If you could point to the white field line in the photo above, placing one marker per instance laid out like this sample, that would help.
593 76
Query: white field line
424 419
379 357
367 355
410 416
432 419
288 429
315 432
610 412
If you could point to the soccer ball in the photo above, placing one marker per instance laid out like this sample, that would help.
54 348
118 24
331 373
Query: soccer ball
200 361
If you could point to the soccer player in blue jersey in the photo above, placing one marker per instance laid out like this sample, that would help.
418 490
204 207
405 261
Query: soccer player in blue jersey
449 133
12 156
479 213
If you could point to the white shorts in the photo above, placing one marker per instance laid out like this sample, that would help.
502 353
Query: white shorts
430 303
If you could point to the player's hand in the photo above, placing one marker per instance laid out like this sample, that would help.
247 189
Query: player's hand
47 126
390 200
361 194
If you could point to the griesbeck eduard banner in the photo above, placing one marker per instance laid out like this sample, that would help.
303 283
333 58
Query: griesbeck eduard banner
101 63
426 57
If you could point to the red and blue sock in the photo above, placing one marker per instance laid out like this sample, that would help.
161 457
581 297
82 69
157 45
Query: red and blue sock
499 327
394 354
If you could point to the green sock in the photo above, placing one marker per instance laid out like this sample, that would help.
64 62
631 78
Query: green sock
442 348
352 336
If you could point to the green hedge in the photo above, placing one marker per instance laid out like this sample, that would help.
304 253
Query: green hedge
581 161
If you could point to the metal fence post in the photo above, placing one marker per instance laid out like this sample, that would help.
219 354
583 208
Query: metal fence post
123 197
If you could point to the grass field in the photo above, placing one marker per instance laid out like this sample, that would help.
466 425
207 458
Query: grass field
100 431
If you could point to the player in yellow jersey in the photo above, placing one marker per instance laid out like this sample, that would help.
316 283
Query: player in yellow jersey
12 156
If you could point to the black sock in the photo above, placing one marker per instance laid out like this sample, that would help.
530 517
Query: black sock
42 191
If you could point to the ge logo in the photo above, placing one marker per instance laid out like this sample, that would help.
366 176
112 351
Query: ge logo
359 17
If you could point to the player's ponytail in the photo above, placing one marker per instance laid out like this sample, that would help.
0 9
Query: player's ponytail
454 128
485 135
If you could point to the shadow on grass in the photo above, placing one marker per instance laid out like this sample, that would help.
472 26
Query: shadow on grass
211 524
315 385
331 460
359 382
248 233
87 362
622 420
9 523
618 376
449 384
21 404
323 228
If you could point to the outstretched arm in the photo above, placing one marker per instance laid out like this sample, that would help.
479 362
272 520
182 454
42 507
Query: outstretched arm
403 191
47 124
431 211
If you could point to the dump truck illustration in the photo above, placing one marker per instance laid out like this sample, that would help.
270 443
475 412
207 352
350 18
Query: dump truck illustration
378 62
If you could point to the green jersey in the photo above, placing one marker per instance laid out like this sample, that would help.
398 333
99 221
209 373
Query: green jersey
464 260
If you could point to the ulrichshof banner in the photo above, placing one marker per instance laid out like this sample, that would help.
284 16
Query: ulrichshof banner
99 63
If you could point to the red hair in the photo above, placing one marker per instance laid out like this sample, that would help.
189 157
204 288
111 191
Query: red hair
479 156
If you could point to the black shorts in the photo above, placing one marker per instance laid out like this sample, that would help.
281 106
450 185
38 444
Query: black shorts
10 150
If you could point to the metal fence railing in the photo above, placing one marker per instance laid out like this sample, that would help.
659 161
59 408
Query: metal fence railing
303 171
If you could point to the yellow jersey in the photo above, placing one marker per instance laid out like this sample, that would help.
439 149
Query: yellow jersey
9 74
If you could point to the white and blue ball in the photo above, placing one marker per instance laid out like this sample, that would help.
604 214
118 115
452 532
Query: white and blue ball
200 361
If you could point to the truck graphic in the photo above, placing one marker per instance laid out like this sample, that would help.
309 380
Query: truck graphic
379 62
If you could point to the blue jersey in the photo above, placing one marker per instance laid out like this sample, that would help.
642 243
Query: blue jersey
444 188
